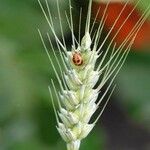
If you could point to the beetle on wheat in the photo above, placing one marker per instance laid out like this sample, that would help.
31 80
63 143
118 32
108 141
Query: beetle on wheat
78 95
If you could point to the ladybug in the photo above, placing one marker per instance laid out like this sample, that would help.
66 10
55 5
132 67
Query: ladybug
77 59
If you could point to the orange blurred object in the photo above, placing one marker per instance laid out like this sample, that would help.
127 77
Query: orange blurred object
113 11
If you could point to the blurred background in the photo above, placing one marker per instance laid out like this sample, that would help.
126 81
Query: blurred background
27 120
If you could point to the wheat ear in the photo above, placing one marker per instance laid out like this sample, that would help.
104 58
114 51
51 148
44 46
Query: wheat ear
78 73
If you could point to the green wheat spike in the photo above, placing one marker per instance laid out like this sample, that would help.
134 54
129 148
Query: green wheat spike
79 74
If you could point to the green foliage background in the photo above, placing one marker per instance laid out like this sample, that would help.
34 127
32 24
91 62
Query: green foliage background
26 116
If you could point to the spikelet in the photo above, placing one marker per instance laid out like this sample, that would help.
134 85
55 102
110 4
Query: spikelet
77 98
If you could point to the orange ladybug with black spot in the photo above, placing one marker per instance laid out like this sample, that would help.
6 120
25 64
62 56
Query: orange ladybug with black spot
77 58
